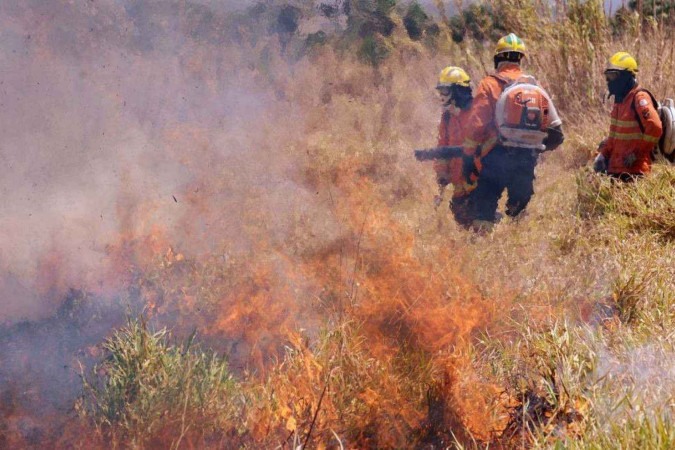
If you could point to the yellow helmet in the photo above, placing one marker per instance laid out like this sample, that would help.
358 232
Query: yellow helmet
452 75
510 43
622 61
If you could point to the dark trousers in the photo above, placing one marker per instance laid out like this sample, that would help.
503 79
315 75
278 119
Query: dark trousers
461 210
504 168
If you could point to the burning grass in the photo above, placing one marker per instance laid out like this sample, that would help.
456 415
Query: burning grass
336 306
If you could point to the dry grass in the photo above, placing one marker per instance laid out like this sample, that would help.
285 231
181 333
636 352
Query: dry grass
357 322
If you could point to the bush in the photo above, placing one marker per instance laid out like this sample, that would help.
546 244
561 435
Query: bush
316 39
147 390
287 20
658 10
478 21
415 21
373 51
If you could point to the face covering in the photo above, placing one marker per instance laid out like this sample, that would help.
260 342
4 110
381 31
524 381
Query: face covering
462 97
445 95
621 85
455 98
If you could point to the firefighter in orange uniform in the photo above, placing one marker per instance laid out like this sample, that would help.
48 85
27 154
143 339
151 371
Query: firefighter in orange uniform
454 88
635 126
503 162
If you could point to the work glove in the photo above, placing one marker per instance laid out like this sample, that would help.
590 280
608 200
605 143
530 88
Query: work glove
554 137
600 164
629 160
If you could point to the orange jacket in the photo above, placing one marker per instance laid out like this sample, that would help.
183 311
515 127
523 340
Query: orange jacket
634 131
481 123
452 131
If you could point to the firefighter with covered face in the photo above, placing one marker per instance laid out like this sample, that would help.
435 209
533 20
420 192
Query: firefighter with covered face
512 121
635 126
454 89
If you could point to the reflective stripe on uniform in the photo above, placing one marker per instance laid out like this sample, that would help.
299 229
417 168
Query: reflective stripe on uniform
633 136
623 123
470 143
634 132
488 146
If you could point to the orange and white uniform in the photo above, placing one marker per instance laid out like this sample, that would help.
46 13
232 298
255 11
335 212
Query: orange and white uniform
500 165
634 131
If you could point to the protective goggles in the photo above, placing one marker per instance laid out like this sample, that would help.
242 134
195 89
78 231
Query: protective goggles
611 75
444 90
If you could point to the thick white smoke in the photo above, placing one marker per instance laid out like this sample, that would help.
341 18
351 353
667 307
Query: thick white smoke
114 115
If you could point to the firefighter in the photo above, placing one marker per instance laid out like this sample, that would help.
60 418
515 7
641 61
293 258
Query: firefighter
454 89
505 162
635 126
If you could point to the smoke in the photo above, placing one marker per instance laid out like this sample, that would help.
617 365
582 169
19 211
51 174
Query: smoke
113 116
647 377
141 135
126 122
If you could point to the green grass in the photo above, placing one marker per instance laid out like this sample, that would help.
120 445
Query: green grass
656 433
149 391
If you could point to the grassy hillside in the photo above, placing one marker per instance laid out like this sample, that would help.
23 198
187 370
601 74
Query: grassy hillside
311 295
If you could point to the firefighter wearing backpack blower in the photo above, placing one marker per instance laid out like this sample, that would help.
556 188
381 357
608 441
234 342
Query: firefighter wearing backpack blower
635 126
454 89
512 121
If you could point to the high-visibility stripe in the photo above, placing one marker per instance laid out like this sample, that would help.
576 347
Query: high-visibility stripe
625 130
633 136
624 123
487 146
625 136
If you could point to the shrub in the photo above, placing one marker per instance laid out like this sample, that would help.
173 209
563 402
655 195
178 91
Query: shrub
415 21
479 22
373 51
147 390
287 20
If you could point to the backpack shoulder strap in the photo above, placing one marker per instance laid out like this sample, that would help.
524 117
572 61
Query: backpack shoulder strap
654 101
505 81
634 108
524 78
